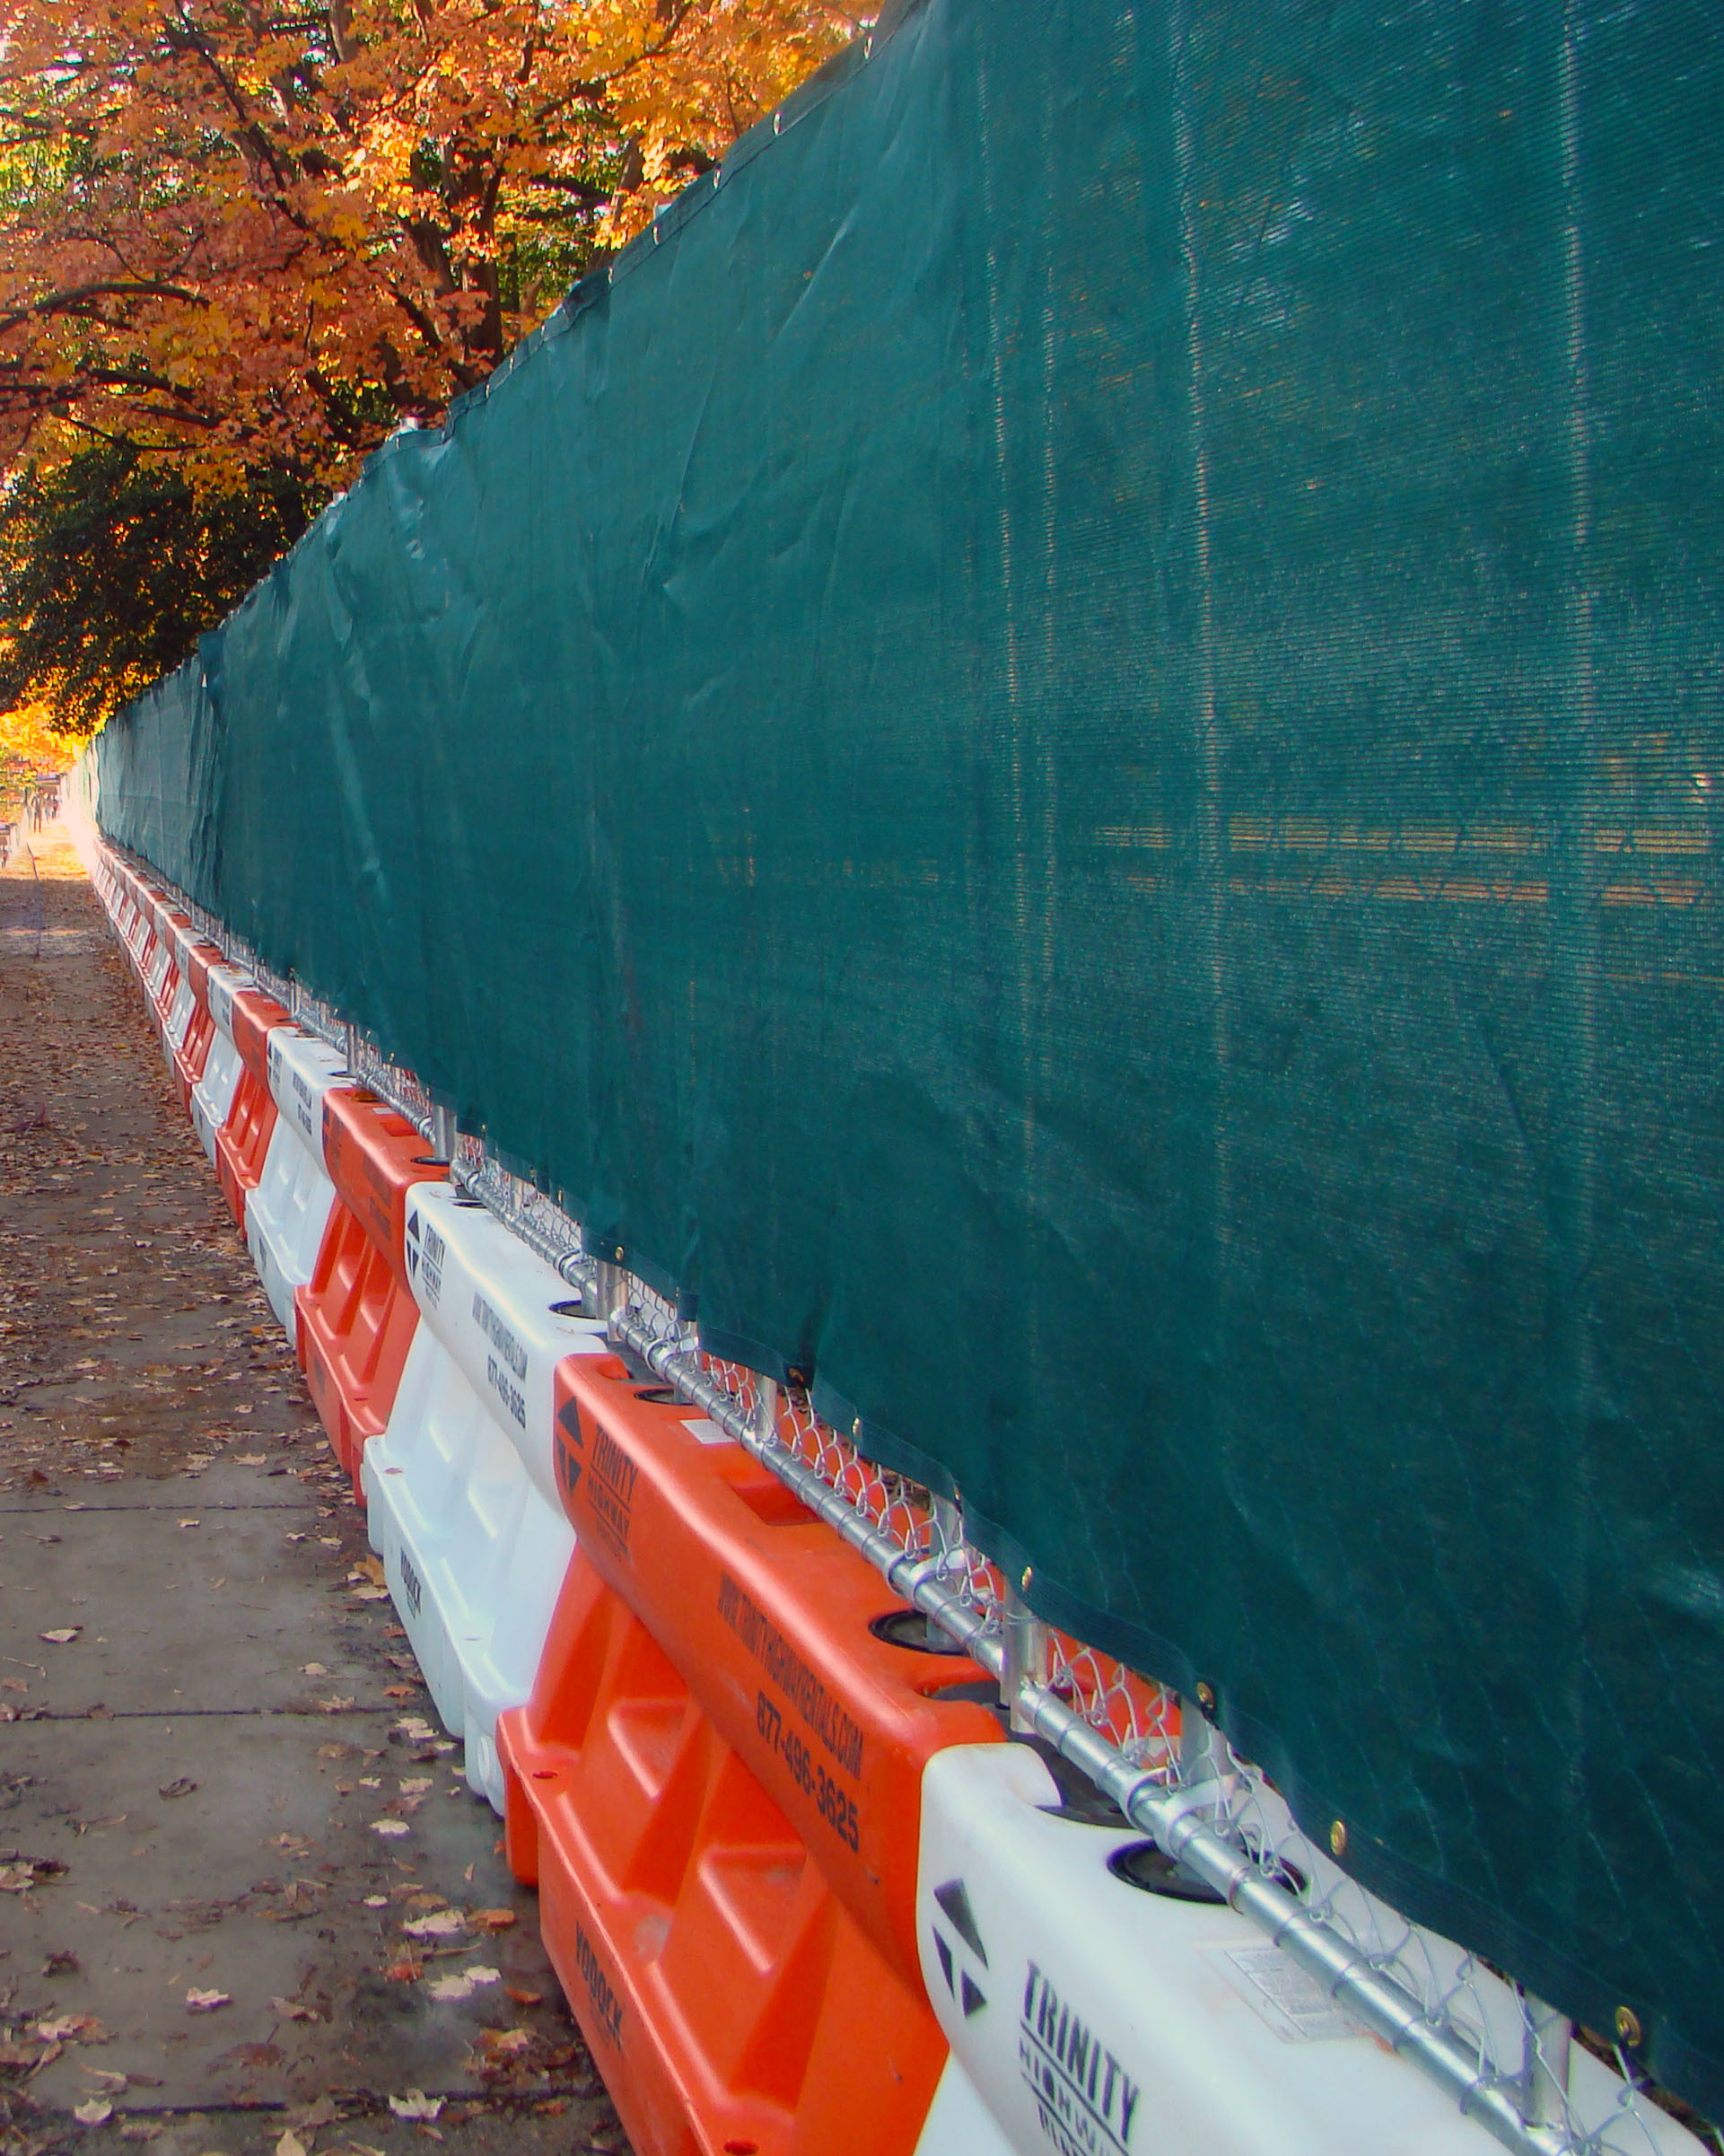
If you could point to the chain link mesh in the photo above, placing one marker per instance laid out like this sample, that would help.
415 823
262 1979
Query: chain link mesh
391 1081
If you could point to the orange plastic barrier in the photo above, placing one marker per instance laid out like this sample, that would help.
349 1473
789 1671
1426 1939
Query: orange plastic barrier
192 1052
716 1785
244 1139
161 975
356 1314
140 929
141 940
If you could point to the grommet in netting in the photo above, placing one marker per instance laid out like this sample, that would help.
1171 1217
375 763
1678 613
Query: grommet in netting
1152 1870
1629 2031
913 1629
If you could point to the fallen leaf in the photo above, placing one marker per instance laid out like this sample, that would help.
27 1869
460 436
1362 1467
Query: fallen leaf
313 1669
72 2029
370 1594
463 1983
252 2058
415 2104
491 1920
290 2145
334 1706
18 1874
95 2112
181 1785
377 1901
389 1691
249 1460
444 1925
206 2003
192 1524
293 2011
64 1962
522 1998
505 2042
392 1828
403 1972
62 1637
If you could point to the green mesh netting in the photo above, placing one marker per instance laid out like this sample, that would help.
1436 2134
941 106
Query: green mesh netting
1063 751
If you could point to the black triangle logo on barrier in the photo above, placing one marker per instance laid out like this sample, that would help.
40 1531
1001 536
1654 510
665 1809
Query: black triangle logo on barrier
413 1227
954 1904
974 2001
945 1954
568 1421
412 1260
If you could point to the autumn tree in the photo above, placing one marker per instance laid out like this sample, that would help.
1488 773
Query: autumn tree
113 564
29 748
248 237
256 232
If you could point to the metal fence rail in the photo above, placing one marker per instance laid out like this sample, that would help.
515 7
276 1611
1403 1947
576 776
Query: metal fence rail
1507 2059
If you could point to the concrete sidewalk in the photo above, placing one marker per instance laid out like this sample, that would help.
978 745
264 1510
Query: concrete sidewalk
243 1888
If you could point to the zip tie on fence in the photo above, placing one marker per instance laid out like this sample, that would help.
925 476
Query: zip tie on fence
1381 2005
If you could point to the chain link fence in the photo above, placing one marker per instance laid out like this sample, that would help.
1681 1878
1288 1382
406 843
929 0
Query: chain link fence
1535 2082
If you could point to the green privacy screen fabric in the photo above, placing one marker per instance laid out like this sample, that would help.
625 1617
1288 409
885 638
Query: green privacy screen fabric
155 775
1062 753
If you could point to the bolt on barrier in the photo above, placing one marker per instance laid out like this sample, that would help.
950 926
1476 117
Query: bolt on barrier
1507 2059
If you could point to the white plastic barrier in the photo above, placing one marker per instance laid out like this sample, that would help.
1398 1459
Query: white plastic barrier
173 1030
462 1487
959 2124
141 941
1094 2017
212 1097
286 1214
160 960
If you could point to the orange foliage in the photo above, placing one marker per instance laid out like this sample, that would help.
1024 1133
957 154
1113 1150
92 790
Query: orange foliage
28 748
253 232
